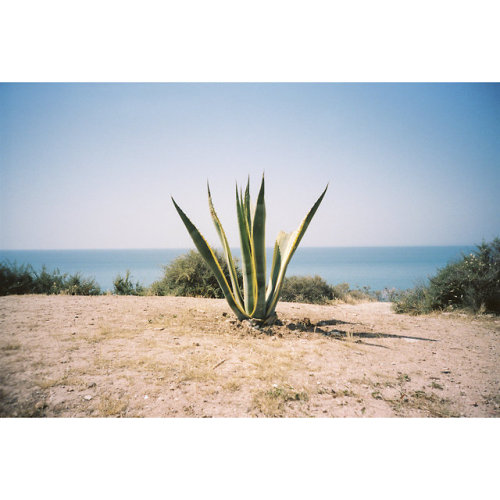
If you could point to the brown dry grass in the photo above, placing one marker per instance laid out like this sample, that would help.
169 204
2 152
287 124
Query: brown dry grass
169 357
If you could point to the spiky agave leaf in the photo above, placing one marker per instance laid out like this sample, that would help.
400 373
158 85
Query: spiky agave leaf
286 244
259 252
227 252
210 258
249 277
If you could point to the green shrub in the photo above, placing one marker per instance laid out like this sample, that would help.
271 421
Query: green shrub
16 279
78 285
19 280
470 283
315 290
311 289
48 282
344 292
124 285
189 276
414 301
340 291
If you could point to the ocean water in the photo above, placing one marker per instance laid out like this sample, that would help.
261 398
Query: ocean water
376 267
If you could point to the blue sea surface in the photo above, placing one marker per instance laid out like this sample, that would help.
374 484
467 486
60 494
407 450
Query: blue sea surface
376 267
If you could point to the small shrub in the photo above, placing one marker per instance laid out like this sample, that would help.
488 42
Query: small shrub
388 294
361 294
124 285
470 283
190 276
48 282
16 279
414 301
311 289
315 290
340 291
78 285
344 292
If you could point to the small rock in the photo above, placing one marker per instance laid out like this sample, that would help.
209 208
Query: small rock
93 384
88 397
40 405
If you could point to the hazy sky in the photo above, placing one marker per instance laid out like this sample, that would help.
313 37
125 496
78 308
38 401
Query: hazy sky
94 165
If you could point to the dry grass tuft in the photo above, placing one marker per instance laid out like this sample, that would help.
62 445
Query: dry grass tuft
110 406
272 402
68 379
197 367
10 347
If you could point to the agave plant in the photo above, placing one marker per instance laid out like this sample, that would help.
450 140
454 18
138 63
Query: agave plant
258 300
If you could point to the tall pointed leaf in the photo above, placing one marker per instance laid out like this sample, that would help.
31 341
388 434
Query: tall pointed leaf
288 243
259 249
227 251
249 282
210 258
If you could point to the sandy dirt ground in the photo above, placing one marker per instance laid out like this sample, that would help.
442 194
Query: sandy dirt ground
109 356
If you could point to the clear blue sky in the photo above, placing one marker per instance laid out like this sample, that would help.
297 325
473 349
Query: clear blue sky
93 165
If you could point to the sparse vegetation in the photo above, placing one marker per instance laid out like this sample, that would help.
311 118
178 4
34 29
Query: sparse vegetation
171 357
345 293
110 406
23 279
471 283
123 285
272 402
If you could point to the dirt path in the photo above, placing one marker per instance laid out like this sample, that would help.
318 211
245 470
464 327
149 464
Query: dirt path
183 357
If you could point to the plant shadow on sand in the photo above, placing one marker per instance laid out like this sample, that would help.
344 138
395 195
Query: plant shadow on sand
305 325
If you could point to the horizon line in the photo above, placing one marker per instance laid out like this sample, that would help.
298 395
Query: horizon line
235 248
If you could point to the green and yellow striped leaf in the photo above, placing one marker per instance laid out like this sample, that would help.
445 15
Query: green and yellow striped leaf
287 244
210 258
227 252
259 251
